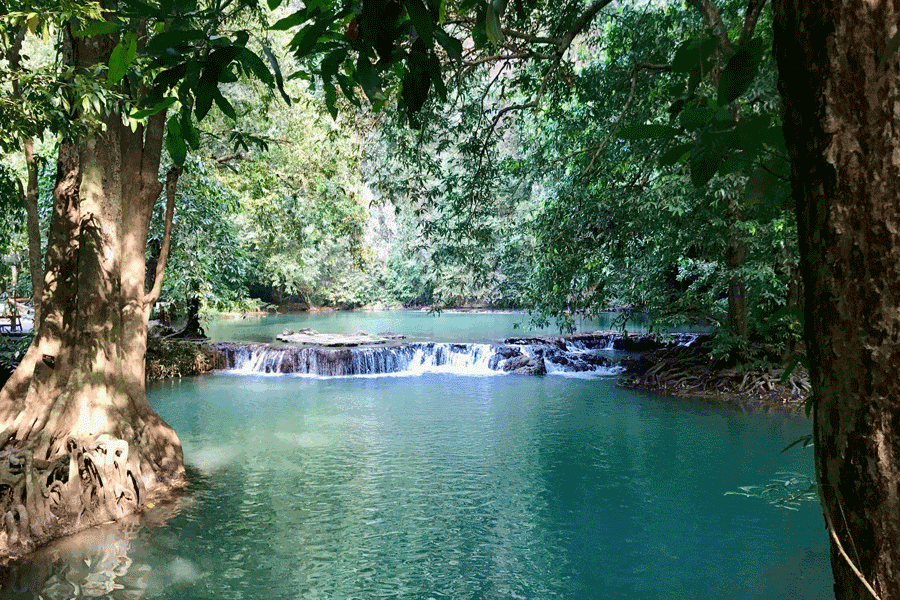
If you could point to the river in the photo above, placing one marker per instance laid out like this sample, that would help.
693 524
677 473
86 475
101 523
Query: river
443 485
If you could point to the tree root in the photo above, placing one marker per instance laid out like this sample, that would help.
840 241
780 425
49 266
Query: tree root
87 484
689 371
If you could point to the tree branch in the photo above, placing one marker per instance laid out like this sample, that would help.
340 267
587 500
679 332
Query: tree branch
714 21
580 24
153 141
496 57
751 17
171 184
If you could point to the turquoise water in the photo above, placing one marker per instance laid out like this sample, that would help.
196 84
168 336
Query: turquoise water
460 487
415 324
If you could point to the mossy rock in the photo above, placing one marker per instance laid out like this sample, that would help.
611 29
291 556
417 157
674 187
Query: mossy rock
180 358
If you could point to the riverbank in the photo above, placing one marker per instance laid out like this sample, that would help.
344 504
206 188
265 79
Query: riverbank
680 366
691 372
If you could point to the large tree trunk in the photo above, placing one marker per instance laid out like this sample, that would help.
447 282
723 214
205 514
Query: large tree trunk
842 109
81 444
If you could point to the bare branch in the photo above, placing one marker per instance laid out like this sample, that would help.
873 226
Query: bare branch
171 184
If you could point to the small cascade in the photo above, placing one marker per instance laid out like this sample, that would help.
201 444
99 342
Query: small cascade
587 355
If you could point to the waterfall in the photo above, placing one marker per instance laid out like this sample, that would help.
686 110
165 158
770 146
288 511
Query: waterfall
412 359
586 355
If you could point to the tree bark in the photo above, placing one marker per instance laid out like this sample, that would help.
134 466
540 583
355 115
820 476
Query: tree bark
81 444
33 222
841 110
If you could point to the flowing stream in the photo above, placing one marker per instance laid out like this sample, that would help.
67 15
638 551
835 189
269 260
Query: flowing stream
435 484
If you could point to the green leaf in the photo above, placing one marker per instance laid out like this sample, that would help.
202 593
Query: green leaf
273 4
693 118
646 132
330 99
740 71
208 85
434 68
190 133
121 58
291 21
225 106
146 112
421 19
449 43
174 38
704 162
369 80
279 79
254 64
175 144
768 183
417 79
305 41
97 28
691 53
675 155
492 27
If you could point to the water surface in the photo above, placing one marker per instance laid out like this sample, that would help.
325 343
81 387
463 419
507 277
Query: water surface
417 325
445 486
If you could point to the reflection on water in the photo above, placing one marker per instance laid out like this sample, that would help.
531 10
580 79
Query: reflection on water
415 324
96 563
453 487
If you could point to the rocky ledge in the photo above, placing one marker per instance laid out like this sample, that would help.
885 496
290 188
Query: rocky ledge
311 337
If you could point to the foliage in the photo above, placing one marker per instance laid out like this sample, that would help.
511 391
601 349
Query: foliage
207 259
12 349
461 215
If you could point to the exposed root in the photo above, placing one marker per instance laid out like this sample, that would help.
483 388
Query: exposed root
689 371
91 482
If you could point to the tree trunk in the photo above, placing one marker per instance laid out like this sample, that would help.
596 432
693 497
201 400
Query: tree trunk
30 193
735 252
29 200
842 106
81 444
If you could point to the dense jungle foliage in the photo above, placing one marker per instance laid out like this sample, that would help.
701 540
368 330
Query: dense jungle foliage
613 177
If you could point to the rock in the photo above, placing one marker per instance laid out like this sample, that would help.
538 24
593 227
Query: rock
311 337
502 353
525 365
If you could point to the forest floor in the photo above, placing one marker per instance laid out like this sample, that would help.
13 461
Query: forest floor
690 372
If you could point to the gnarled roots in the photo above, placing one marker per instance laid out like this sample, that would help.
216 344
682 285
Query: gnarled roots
87 484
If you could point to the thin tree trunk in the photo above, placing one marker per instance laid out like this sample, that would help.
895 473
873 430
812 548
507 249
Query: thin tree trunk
735 252
30 194
29 200
842 108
